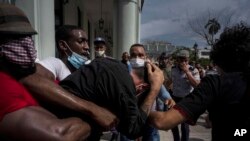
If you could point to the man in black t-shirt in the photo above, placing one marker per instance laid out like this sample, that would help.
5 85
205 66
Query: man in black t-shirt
225 96
108 83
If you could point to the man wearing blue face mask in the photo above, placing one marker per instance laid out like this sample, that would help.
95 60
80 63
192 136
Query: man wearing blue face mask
73 49
73 52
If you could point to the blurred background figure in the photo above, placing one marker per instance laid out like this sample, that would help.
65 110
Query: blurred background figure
185 77
125 60
166 64
100 47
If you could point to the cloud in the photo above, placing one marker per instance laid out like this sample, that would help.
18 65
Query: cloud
160 27
168 18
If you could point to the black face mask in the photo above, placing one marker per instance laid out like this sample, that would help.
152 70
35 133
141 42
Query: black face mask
17 71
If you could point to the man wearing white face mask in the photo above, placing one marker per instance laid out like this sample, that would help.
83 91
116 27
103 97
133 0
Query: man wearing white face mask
100 47
138 59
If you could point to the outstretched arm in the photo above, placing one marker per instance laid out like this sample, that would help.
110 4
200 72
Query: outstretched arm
45 89
166 120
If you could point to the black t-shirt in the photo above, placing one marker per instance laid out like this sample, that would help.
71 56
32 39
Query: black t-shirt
107 83
226 99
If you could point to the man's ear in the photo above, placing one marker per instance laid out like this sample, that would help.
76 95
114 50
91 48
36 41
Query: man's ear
62 45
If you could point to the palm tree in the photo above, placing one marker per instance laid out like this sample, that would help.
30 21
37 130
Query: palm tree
213 26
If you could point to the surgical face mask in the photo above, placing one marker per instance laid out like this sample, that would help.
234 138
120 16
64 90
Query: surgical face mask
137 62
75 59
99 53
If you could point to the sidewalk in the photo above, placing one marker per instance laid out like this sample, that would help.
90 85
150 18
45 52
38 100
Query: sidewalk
197 133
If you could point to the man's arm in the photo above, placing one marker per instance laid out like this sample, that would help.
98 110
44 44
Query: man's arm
192 79
19 124
45 89
156 79
166 120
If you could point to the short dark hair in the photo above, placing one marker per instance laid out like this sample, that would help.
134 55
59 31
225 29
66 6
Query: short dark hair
232 51
64 32
136 45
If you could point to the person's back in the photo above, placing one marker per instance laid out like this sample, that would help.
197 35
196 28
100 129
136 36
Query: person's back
226 96
108 83
99 81
230 107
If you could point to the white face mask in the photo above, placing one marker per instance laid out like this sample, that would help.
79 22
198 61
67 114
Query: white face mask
99 53
137 62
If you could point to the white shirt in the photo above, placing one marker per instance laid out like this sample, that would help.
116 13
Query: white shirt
56 66
181 84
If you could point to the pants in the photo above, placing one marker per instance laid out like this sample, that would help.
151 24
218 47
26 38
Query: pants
184 128
184 132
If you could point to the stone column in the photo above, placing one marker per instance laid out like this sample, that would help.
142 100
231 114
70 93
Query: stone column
42 17
127 25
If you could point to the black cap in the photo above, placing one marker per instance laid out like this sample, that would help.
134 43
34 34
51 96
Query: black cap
99 40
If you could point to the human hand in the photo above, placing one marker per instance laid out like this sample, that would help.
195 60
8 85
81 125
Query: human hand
106 119
170 103
184 66
155 76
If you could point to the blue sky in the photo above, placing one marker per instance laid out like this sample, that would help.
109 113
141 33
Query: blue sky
167 20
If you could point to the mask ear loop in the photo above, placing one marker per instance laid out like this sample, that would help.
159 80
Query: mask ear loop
66 44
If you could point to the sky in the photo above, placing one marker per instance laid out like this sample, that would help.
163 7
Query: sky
167 20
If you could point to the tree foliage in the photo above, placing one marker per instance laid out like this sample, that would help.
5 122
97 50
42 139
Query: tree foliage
210 24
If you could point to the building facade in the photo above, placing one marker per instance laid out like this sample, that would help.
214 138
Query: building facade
118 21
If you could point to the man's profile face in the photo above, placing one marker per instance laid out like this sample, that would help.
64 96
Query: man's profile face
79 42
137 52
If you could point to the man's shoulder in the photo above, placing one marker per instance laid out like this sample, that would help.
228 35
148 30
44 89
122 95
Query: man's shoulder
107 61
50 61
109 66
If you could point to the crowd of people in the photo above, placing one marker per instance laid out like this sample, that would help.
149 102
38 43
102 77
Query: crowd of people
73 98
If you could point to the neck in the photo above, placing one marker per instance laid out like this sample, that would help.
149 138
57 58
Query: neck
136 78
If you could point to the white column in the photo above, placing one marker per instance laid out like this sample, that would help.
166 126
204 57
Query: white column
115 31
127 28
91 42
47 27
42 17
